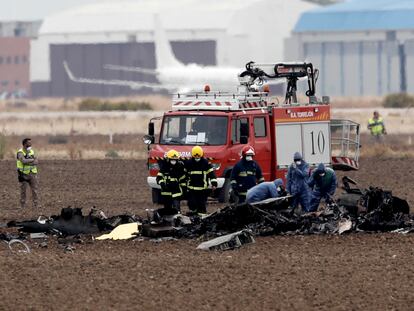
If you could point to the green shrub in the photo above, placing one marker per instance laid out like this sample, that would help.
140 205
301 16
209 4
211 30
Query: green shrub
112 154
90 104
3 145
398 100
58 140
94 104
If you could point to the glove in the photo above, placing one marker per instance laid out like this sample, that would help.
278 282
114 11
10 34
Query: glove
163 186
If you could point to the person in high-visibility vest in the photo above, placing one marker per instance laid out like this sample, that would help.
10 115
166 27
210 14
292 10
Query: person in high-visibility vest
377 127
200 174
172 180
27 172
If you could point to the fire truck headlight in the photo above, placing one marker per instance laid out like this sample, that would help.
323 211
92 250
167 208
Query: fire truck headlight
316 109
153 166
216 166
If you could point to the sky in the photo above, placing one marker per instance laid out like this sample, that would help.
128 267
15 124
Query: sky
39 9
36 9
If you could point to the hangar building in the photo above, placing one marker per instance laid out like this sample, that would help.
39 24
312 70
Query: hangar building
362 47
214 32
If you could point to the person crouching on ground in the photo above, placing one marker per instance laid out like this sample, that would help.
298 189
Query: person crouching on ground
27 172
200 173
297 177
266 190
323 185
172 180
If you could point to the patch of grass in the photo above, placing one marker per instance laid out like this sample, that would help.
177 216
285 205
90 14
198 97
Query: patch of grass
3 145
398 100
112 154
94 104
383 151
74 152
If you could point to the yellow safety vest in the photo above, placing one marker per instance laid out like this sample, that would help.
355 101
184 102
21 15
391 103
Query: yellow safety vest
26 168
376 126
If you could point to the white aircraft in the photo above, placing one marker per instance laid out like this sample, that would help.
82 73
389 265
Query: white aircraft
172 74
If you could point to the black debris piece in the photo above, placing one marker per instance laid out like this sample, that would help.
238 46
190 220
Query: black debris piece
71 221
371 209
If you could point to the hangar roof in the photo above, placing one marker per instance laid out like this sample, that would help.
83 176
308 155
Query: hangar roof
138 15
359 15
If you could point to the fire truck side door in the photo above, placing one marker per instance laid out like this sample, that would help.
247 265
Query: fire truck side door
262 145
236 133
288 141
311 139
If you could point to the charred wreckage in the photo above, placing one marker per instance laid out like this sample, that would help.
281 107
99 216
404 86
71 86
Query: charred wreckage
366 210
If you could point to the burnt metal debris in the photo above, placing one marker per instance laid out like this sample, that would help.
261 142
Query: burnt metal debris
356 209
71 221
372 209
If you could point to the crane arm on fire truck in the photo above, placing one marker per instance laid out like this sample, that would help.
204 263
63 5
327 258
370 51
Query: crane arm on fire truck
292 72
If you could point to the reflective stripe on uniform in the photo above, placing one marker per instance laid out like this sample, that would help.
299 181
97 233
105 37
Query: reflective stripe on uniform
243 174
210 170
376 126
196 172
26 168
196 188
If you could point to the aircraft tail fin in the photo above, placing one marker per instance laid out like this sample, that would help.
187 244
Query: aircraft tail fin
163 51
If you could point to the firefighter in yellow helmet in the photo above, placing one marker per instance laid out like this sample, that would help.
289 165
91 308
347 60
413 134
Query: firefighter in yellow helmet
200 174
172 180
27 172
377 127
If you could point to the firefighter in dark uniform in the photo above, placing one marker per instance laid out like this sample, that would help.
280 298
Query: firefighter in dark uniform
200 173
245 174
172 180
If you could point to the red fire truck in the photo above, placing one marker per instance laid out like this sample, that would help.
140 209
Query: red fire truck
222 123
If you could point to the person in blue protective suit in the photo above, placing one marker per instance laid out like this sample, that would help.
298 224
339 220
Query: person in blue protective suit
245 174
297 182
323 185
266 190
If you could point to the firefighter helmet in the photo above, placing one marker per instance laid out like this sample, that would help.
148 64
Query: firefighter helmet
197 151
247 150
173 154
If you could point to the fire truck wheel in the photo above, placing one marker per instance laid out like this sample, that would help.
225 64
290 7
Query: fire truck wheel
224 195
156 196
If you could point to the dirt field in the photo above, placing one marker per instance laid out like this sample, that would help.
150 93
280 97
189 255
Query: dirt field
354 272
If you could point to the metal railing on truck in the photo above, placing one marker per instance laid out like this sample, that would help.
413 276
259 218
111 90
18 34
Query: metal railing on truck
345 144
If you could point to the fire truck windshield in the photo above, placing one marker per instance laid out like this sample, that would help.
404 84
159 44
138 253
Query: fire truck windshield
194 130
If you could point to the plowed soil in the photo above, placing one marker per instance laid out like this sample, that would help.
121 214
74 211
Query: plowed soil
352 272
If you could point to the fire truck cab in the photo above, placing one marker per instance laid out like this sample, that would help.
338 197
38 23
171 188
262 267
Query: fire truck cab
222 123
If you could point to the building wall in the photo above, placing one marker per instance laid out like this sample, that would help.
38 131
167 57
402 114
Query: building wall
14 66
368 65
19 29
87 60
